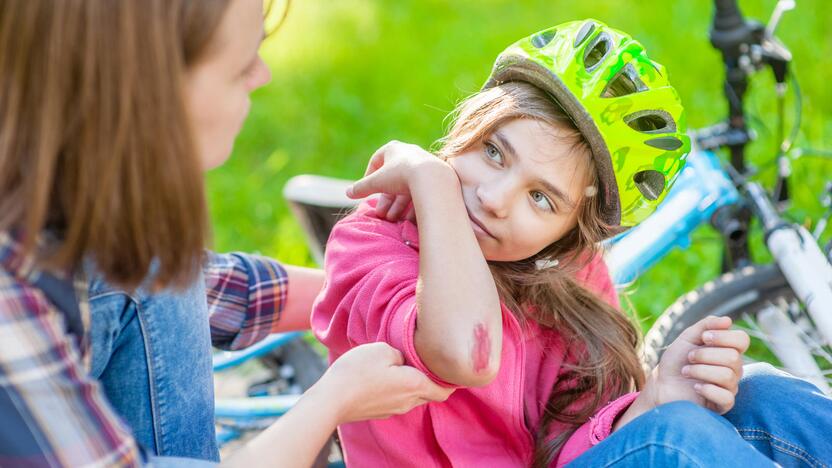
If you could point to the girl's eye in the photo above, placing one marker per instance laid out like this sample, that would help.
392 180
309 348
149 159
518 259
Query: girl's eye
542 201
492 153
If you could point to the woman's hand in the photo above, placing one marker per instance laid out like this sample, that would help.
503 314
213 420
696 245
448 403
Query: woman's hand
371 382
367 382
703 365
391 171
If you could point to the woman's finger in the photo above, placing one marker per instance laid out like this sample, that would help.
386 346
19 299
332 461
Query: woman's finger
423 387
717 398
736 339
728 357
724 377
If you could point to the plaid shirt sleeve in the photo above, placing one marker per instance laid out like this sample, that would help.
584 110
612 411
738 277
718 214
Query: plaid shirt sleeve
52 413
246 295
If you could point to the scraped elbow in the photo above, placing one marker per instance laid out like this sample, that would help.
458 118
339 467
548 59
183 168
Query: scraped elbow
472 363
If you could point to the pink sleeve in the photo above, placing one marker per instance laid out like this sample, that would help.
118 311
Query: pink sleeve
598 428
370 291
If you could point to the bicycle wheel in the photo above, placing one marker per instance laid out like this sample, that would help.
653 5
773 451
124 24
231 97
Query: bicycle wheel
285 372
749 296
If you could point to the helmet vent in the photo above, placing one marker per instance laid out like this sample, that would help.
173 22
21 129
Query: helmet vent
542 38
650 183
651 121
587 29
624 83
668 143
597 51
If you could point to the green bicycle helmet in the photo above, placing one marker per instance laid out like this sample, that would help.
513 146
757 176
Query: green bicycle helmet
618 98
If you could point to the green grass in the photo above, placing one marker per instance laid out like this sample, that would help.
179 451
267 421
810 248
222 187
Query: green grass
349 75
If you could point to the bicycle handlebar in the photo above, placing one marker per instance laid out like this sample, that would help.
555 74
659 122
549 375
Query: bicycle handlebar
728 16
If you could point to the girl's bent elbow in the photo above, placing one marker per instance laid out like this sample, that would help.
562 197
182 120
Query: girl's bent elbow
470 371
482 377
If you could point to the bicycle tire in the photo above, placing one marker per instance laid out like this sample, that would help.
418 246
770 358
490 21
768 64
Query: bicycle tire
743 291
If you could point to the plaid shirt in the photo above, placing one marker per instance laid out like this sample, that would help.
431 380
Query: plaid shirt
52 413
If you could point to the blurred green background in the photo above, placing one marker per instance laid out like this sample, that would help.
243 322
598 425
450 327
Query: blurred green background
350 75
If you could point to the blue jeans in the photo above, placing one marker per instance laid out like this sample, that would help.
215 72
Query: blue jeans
777 419
152 355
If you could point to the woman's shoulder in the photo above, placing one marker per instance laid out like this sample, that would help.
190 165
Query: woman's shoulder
18 296
22 305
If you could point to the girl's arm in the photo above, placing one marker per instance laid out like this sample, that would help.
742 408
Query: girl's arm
385 387
459 325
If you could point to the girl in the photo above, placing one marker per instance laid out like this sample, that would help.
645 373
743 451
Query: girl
497 289
109 114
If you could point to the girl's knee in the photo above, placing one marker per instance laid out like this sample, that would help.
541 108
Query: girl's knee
763 382
686 418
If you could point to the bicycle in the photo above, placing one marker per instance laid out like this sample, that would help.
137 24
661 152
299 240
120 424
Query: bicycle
786 306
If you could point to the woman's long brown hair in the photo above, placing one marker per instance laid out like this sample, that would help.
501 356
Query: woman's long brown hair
95 143
602 361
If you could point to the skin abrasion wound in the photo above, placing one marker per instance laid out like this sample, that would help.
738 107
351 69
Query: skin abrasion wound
482 348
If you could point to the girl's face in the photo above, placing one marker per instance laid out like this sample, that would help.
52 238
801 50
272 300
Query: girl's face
218 86
522 187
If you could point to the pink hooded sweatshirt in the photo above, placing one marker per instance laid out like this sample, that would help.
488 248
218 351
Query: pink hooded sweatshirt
372 266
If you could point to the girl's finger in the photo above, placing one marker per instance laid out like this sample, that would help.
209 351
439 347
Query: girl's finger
717 375
718 398
397 208
383 205
410 215
736 339
377 159
693 334
728 357
366 186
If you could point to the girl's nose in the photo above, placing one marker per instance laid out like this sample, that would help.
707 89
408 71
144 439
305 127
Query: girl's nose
495 197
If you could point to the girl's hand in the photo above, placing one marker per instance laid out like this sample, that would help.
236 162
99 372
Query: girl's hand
703 365
392 170
395 207
371 382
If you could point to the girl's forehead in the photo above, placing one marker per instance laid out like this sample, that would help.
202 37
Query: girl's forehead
540 143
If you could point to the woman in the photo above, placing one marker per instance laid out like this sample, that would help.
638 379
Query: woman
109 114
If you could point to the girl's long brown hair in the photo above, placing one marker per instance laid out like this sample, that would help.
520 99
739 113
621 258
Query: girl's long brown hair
95 143
602 361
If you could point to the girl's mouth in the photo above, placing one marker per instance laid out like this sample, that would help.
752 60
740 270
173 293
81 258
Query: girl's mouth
479 227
